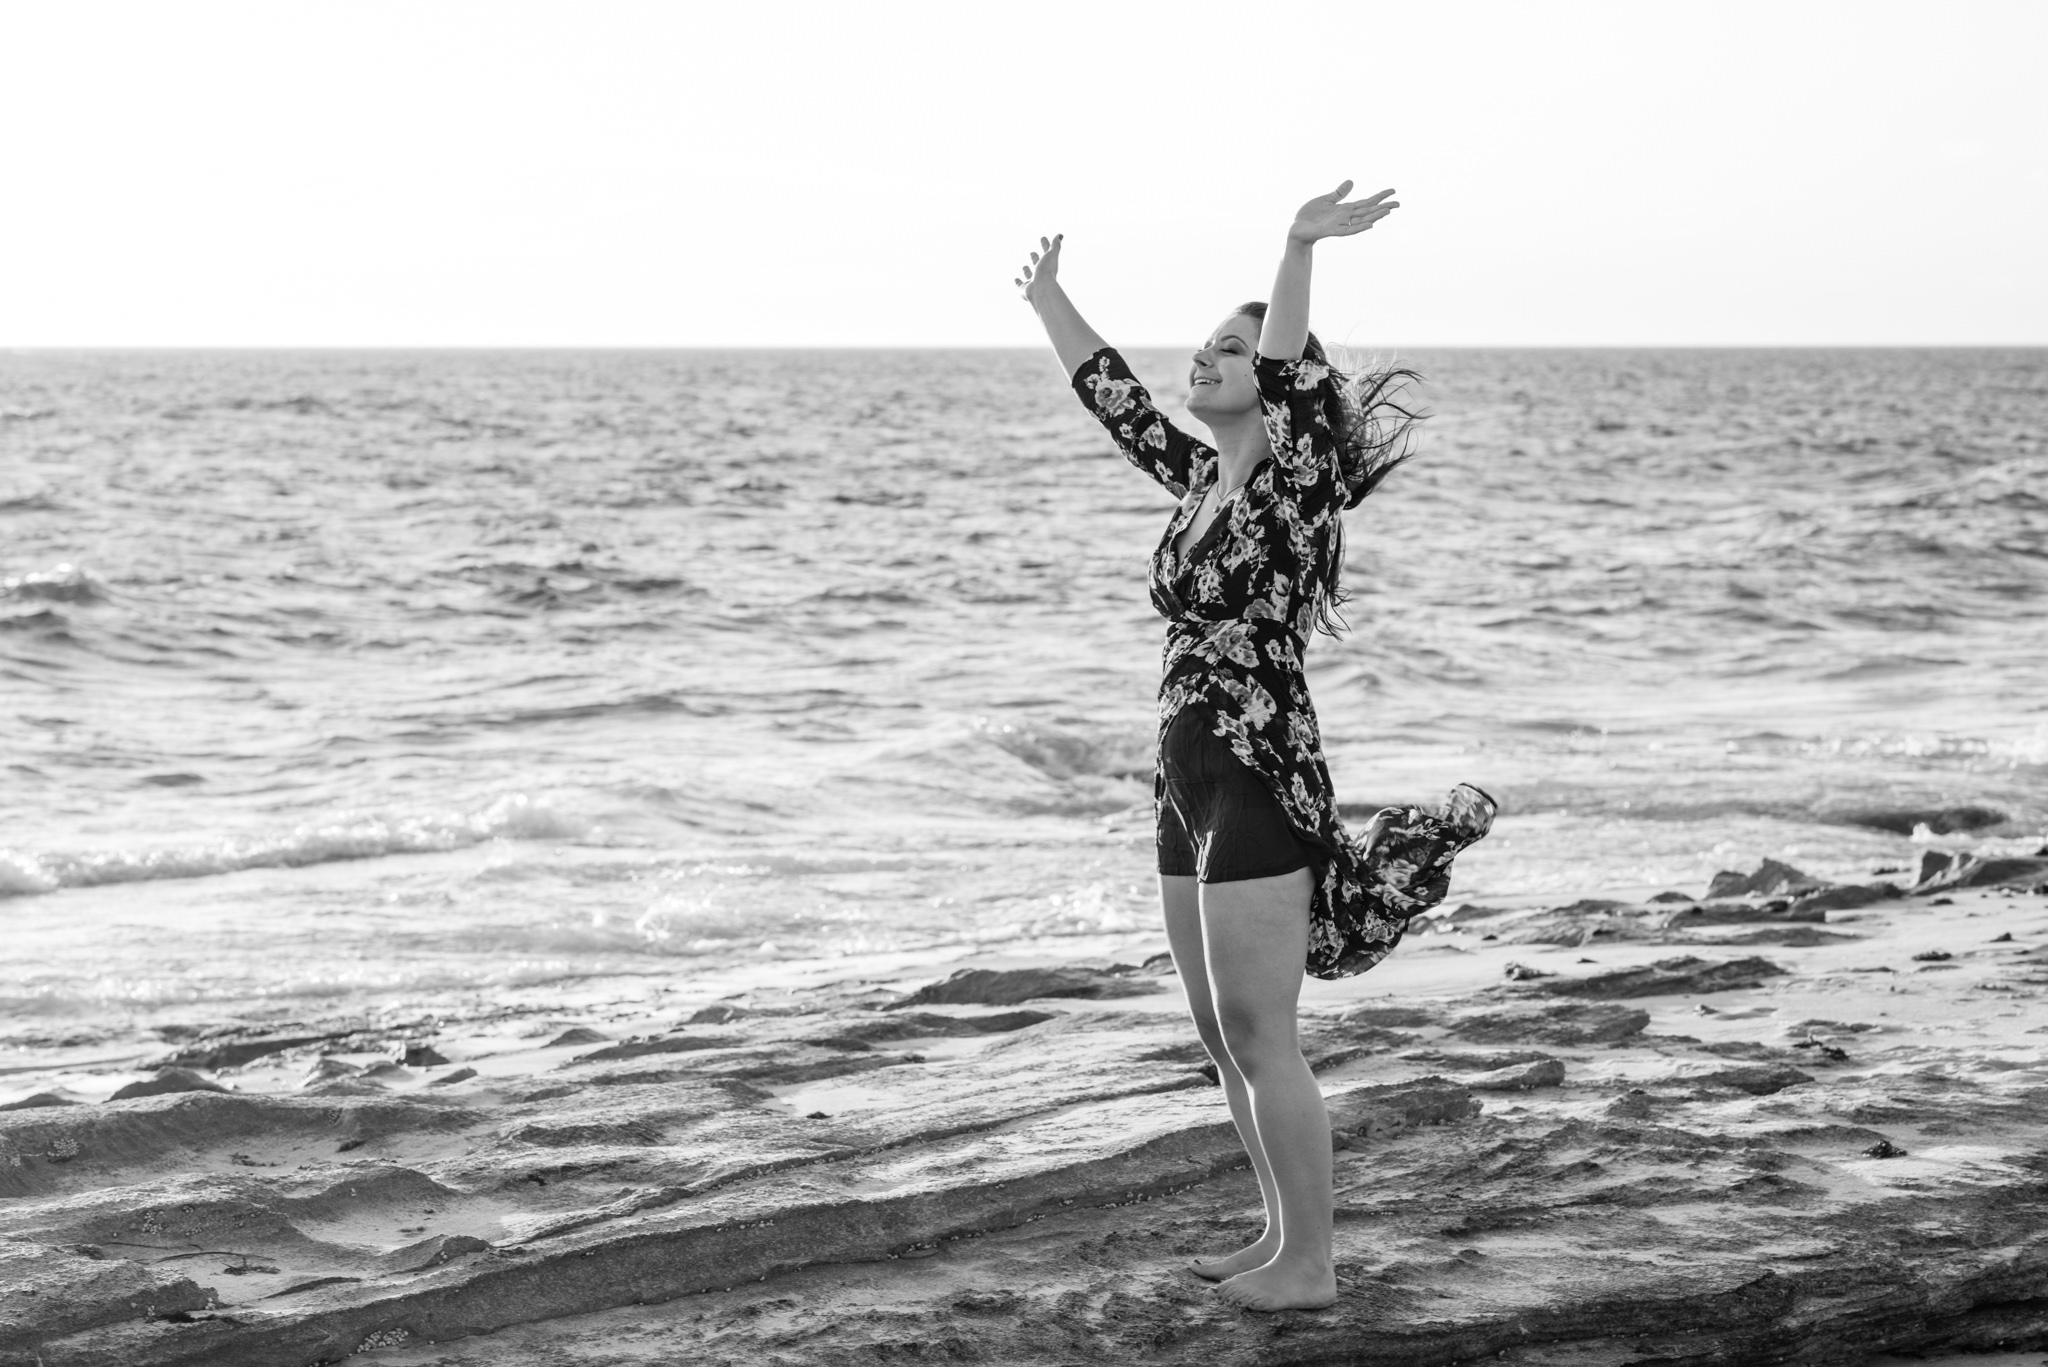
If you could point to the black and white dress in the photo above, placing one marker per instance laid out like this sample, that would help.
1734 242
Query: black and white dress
1240 607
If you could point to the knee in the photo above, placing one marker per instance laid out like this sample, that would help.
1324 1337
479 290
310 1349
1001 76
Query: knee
1255 1040
1211 1031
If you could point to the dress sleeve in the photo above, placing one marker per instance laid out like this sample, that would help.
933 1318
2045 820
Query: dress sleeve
1297 427
1148 441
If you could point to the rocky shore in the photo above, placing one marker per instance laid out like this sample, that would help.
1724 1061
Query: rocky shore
1784 1121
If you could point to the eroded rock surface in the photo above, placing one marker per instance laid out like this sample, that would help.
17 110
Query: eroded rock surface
1008 987
1805 1159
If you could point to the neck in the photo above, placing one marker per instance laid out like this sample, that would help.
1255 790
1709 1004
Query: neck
1240 442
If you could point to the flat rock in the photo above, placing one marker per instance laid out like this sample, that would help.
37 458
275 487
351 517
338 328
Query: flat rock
1945 870
1589 906
1575 928
1521 1077
1388 1017
670 1044
1009 986
167 1081
930 1024
1477 1063
1723 913
431 1252
574 1035
233 1049
1846 896
1790 937
1762 1079
1564 1023
1685 974
1769 877
329 1070
47 1293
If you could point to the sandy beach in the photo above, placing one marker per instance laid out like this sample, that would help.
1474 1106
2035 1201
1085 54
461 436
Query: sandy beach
1789 1123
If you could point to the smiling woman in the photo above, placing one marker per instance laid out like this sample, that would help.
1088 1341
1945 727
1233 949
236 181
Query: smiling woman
1257 876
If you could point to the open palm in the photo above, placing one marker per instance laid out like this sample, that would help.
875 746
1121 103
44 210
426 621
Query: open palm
1044 268
1332 215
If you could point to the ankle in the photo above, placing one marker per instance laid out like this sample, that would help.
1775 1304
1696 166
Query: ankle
1311 1264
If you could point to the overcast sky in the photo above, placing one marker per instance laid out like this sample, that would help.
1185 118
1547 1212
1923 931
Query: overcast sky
603 172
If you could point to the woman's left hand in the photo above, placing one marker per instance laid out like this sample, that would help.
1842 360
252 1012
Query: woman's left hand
1331 216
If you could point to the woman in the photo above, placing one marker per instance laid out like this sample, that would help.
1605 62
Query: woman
1256 875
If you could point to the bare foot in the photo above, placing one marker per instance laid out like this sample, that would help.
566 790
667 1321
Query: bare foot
1282 1286
1244 1260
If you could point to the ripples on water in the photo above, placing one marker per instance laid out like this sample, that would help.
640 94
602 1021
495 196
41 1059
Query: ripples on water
437 671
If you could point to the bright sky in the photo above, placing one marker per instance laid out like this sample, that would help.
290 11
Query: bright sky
611 172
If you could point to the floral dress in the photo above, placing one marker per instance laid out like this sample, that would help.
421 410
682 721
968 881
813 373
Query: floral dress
1240 606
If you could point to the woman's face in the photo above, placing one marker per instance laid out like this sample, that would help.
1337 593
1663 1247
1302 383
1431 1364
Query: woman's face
1220 381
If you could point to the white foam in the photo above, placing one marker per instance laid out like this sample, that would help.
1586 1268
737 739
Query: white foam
517 816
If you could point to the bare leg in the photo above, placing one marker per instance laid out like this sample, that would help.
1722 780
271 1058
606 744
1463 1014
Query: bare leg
1255 940
1179 897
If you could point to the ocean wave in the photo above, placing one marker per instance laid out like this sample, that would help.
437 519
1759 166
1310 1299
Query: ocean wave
66 583
516 816
529 584
1065 754
1890 666
1090 909
888 594
46 620
303 405
1925 816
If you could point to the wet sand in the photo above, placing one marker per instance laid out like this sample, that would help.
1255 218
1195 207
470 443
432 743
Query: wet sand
1788 1124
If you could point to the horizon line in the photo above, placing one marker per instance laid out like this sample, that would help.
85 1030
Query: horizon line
30 348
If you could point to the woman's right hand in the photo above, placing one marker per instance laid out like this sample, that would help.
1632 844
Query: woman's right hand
1044 269
1071 337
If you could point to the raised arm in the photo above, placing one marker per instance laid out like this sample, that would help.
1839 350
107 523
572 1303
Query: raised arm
1073 341
1285 331
1105 384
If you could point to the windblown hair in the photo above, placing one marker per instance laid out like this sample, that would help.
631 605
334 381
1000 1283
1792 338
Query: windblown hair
1370 411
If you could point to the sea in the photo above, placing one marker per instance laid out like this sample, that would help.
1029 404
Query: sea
366 681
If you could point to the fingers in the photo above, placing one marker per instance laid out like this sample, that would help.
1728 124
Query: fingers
1363 215
1342 190
1045 258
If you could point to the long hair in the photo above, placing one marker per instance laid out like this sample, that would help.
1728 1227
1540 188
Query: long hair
1370 411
